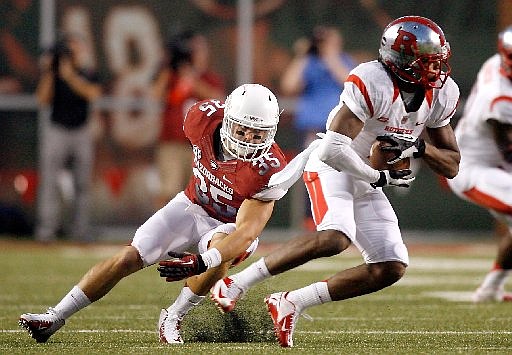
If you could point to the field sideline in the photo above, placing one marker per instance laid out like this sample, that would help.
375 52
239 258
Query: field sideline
427 312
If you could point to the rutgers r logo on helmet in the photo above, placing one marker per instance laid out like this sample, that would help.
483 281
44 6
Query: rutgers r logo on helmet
415 49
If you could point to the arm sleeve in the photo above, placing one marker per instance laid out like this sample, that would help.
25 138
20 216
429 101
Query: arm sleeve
335 151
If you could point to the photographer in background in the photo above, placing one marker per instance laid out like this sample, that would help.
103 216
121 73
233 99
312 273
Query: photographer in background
184 78
68 87
315 77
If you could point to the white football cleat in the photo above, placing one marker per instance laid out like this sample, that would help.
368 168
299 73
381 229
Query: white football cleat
284 316
225 294
489 294
41 326
169 326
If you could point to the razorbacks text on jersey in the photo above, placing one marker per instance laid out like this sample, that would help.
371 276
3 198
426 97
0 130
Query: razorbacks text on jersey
219 186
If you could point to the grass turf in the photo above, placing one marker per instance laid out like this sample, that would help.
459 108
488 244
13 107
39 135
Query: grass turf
427 312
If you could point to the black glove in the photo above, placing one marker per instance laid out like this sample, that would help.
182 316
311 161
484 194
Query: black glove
404 146
393 178
182 266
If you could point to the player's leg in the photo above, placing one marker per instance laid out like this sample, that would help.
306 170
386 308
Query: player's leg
52 155
492 287
490 188
196 287
150 244
328 203
291 254
96 283
379 240
83 154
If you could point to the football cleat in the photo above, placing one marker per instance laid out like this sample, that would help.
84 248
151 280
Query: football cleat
284 316
41 326
169 326
225 294
489 294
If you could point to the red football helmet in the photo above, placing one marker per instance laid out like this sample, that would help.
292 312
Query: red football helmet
505 50
416 50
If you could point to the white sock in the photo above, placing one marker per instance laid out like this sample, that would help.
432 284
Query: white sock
495 279
74 301
185 302
308 296
251 275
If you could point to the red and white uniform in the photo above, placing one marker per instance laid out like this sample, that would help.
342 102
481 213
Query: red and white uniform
484 177
214 194
342 202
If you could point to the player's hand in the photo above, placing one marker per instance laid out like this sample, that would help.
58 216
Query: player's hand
181 266
403 145
398 178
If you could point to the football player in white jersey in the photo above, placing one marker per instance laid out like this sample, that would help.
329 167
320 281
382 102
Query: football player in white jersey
484 135
395 98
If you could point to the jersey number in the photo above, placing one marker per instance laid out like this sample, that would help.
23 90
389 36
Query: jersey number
209 194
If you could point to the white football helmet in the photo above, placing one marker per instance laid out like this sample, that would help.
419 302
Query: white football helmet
250 107
409 47
505 50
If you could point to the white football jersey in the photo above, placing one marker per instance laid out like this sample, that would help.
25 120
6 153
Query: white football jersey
491 97
371 94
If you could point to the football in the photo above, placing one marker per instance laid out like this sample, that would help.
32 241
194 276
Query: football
378 158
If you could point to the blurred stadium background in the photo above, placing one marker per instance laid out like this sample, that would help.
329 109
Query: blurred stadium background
251 40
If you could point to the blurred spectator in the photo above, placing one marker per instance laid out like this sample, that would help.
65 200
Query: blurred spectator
316 75
65 141
184 79
18 46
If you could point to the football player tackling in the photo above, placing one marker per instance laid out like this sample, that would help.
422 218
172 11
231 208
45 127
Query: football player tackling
227 198
395 98
484 134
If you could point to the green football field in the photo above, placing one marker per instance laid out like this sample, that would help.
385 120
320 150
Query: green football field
427 312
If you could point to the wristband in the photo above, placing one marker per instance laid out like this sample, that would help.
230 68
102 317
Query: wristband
211 258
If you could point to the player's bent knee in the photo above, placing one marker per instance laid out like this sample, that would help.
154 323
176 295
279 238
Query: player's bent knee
128 260
387 273
330 242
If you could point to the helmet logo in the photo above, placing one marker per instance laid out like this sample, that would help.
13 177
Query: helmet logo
405 41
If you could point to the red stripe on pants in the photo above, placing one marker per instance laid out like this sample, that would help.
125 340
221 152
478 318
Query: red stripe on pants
316 194
488 201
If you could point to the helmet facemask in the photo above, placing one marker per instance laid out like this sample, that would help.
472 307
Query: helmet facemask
250 122
429 71
244 142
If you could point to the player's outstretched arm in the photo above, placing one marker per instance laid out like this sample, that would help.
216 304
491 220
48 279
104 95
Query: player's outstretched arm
252 217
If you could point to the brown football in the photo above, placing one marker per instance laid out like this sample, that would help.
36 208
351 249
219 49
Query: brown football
378 158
